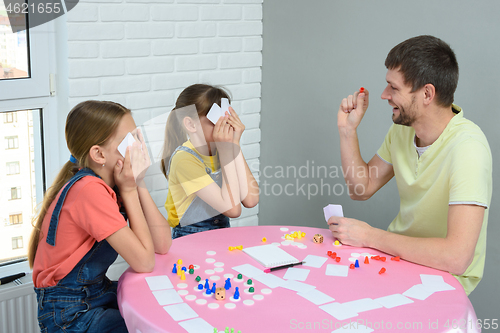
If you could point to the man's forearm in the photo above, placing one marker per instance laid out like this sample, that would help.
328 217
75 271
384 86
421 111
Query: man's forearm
354 169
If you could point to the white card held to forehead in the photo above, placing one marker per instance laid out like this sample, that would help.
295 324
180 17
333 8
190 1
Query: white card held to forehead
217 111
128 141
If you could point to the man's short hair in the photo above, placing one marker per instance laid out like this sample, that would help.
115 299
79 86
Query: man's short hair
426 59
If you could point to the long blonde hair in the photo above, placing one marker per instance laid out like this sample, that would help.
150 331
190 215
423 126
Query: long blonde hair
89 123
203 96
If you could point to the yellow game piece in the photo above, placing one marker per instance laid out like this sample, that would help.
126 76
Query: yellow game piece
294 235
231 248
183 275
264 239
299 235
240 247
179 262
337 242
303 234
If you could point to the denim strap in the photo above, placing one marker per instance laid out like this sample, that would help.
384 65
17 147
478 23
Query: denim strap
54 220
190 151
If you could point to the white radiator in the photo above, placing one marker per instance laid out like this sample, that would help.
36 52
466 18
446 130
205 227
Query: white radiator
18 307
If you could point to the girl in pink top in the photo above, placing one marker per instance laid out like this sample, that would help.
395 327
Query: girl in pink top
82 225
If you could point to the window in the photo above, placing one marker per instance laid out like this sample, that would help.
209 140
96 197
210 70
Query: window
15 193
16 219
9 117
12 142
12 168
17 242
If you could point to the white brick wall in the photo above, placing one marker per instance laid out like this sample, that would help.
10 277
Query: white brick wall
142 53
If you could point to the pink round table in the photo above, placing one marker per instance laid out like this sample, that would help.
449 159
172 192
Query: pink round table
280 309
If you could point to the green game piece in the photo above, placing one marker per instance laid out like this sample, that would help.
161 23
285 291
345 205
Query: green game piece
251 289
240 276
191 271
198 278
249 282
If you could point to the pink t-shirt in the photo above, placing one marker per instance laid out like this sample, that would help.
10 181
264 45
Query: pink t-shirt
90 213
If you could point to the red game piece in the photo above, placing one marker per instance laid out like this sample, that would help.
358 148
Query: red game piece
329 253
382 258
382 270
361 89
376 258
337 259
191 266
395 258
352 266
366 260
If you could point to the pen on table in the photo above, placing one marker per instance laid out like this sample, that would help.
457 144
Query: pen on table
267 270
11 278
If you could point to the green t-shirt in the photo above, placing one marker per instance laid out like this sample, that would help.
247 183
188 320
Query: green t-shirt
455 169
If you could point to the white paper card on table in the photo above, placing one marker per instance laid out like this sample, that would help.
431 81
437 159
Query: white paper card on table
270 280
316 297
297 274
333 210
435 282
167 296
338 311
297 286
314 261
127 141
248 270
197 325
159 282
357 329
418 291
337 270
270 255
392 301
180 311
361 305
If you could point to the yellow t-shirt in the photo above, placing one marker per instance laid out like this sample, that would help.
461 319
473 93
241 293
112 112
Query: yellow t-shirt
455 169
187 176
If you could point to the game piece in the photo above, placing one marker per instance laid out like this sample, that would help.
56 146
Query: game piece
198 278
351 266
382 258
337 259
264 239
356 264
337 243
303 234
208 291
213 288
318 239
174 270
183 275
251 289
329 253
361 90
184 268
382 270
240 276
191 266
395 258
237 293
227 286
366 260
200 286
220 294
249 282
299 234
179 262
207 286
239 247
191 271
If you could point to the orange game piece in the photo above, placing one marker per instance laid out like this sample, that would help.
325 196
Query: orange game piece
395 258
366 260
376 257
382 258
352 266
382 270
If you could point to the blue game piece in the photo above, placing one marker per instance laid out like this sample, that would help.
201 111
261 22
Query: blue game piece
208 291
227 286
237 293
356 264
213 288
184 268
200 286
207 286
174 270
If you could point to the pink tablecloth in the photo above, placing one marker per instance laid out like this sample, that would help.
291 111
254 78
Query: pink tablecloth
282 310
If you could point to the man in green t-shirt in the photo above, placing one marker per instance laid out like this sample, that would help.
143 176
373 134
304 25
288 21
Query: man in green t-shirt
441 161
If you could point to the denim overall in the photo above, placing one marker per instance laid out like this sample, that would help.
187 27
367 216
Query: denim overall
85 299
199 210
